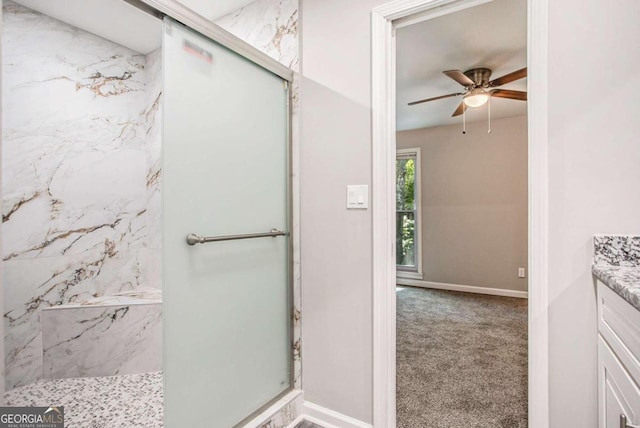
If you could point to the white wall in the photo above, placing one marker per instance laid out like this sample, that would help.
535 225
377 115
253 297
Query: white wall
594 176
336 243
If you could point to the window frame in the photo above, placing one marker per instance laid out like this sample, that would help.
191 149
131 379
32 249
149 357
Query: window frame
413 272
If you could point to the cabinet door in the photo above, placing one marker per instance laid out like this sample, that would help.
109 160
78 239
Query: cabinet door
618 393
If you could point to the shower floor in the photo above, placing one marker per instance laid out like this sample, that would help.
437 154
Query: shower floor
128 401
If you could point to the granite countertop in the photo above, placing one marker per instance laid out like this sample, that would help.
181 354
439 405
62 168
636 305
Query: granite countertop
616 262
624 280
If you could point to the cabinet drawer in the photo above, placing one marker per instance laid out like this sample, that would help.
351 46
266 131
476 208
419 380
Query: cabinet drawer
618 394
619 324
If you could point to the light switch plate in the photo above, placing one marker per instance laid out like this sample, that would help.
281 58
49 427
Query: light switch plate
357 197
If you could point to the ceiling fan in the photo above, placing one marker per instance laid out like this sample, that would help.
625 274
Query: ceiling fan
478 87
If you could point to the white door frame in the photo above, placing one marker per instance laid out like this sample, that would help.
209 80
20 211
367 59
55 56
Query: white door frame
384 20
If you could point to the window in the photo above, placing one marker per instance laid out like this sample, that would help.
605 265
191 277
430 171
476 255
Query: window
408 242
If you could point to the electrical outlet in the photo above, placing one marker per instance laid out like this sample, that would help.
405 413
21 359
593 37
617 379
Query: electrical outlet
521 273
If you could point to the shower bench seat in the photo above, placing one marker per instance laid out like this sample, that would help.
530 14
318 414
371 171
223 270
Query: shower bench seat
103 336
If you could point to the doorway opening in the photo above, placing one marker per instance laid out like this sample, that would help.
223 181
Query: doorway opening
461 218
389 22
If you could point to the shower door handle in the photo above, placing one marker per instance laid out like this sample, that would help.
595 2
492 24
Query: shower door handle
193 239
623 422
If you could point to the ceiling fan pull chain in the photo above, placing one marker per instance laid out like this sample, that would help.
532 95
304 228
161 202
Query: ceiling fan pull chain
489 110
464 120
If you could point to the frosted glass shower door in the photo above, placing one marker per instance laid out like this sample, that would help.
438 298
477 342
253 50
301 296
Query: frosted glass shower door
225 168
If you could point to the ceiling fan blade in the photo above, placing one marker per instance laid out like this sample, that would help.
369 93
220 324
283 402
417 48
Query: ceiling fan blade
435 98
461 109
459 77
514 75
506 93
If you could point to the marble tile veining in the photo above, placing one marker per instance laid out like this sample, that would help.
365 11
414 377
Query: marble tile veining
102 339
139 296
269 25
153 143
81 146
78 228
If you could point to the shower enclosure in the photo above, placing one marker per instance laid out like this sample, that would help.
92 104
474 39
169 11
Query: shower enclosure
140 185
226 301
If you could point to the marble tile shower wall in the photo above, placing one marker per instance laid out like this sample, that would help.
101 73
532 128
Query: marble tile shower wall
152 127
269 25
81 175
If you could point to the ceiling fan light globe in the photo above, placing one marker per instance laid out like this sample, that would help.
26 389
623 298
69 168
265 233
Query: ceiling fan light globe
476 98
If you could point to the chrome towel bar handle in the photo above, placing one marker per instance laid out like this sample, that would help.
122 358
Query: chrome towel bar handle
193 239
623 422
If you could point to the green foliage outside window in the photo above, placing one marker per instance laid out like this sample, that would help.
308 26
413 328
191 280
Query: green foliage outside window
405 212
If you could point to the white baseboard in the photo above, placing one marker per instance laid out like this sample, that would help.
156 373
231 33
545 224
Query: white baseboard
463 288
329 418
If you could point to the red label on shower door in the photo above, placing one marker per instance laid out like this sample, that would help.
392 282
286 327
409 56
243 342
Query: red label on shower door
196 50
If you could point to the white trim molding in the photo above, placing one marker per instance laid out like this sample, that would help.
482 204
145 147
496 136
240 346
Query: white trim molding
384 20
383 212
463 288
537 87
328 418
407 274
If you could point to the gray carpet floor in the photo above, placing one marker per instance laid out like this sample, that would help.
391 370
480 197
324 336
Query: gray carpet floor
461 360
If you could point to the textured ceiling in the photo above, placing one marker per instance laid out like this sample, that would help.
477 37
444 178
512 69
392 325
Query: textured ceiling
492 35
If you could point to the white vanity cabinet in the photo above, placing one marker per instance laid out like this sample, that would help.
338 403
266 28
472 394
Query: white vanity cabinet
618 361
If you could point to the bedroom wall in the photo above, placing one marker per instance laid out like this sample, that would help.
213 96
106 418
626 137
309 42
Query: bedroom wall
474 202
